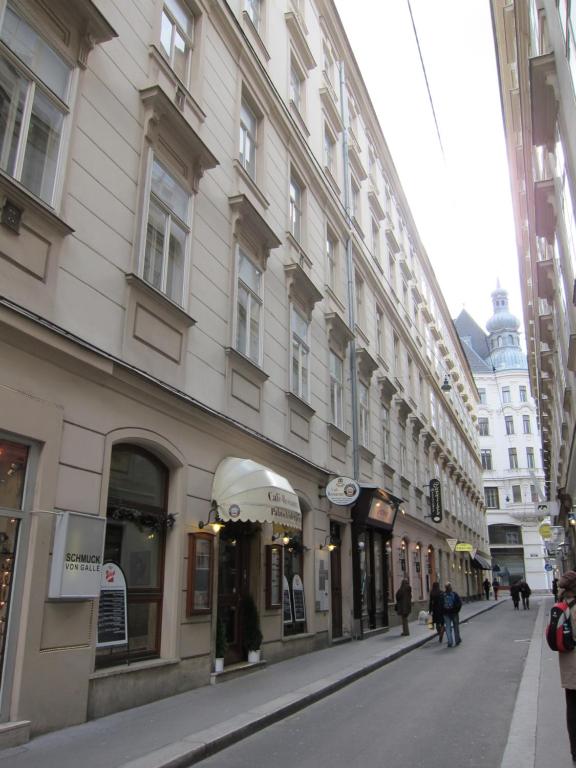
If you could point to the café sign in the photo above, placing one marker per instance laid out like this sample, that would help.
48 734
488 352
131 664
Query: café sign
342 491
77 556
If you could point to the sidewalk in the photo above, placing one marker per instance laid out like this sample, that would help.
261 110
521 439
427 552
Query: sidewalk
183 729
538 736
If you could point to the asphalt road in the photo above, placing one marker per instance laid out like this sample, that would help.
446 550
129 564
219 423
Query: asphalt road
434 707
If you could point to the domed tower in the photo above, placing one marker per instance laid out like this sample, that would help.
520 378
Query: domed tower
504 339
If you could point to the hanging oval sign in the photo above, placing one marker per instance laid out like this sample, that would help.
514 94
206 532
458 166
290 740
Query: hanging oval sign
342 491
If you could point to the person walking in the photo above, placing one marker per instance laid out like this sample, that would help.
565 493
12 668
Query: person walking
555 589
404 604
451 609
486 585
515 590
525 593
495 587
567 661
436 609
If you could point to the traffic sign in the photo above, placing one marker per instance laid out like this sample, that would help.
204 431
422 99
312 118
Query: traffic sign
548 567
452 543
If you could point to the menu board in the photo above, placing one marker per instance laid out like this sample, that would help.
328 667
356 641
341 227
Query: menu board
112 610
298 596
275 576
286 602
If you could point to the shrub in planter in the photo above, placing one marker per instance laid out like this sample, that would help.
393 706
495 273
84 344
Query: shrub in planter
251 625
221 642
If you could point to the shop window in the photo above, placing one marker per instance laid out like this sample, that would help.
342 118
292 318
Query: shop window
200 570
34 105
137 522
14 458
274 576
293 602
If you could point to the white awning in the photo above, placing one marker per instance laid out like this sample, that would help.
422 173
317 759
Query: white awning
245 490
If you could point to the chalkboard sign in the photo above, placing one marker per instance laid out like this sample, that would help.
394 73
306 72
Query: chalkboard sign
112 610
298 596
286 602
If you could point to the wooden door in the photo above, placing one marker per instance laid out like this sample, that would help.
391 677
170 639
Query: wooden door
233 585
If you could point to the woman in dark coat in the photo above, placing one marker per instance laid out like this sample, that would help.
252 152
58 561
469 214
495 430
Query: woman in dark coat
436 609
515 595
404 604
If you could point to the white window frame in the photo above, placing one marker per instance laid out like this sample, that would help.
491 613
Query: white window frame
530 458
523 393
172 216
296 86
329 150
296 207
177 28
299 353
526 425
509 424
332 259
248 137
483 421
255 298
61 103
385 421
253 9
513 458
336 390
506 396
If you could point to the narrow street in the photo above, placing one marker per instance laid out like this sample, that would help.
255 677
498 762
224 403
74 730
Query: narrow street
433 707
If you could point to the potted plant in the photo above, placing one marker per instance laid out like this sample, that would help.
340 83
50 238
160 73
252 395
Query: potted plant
221 645
251 629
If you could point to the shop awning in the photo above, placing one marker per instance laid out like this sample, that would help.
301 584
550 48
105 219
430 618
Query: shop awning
481 562
245 490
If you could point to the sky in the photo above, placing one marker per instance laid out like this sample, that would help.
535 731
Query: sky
459 196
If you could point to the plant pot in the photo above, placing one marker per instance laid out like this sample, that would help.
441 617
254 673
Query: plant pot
218 665
254 656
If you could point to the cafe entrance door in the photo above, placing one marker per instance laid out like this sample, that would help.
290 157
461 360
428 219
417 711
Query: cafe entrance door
233 584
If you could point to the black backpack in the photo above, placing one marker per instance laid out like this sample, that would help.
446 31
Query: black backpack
559 631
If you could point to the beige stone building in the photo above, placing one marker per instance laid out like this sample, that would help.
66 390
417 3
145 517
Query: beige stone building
214 302
536 55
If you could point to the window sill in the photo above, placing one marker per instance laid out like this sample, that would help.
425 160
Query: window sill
388 468
366 453
12 190
252 369
301 404
251 184
177 84
338 433
177 312
137 666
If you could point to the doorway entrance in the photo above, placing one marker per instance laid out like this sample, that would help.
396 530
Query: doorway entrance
233 584
336 580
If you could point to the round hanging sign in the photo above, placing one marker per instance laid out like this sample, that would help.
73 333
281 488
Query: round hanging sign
342 491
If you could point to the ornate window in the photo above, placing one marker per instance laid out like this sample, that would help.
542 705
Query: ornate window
177 37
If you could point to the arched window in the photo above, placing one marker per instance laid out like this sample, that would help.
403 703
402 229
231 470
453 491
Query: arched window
499 341
135 540
510 339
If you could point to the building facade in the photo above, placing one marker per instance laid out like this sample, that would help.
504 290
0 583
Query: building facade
214 302
535 48
510 449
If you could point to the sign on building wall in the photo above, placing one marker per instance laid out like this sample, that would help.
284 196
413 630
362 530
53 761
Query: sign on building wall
342 491
435 501
112 609
77 556
298 595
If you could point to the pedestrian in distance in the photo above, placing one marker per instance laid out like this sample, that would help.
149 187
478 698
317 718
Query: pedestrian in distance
567 661
436 609
404 604
515 595
495 587
525 593
555 589
451 608
486 585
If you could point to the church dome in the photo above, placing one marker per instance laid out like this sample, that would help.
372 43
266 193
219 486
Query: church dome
503 341
502 319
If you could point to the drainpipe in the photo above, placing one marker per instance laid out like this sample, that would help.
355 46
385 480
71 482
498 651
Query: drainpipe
357 629
350 273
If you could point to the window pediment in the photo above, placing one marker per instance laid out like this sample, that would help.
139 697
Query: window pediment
356 162
366 363
331 109
301 289
299 41
163 118
339 333
387 389
250 222
375 205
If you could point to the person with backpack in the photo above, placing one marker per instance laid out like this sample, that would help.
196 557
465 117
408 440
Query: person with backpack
436 609
525 593
567 660
451 608
404 604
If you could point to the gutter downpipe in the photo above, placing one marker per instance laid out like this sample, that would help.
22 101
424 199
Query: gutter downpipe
357 628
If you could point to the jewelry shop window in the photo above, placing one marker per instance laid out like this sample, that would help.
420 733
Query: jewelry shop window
13 466
136 527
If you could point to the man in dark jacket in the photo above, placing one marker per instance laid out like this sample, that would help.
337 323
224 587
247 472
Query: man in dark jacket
525 593
452 605
404 604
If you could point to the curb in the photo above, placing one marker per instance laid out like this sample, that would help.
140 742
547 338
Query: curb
199 746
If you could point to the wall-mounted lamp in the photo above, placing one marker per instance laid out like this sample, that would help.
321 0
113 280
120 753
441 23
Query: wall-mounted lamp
446 386
572 519
283 537
329 544
213 520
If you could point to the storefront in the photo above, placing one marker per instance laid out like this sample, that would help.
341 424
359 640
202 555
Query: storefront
373 518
